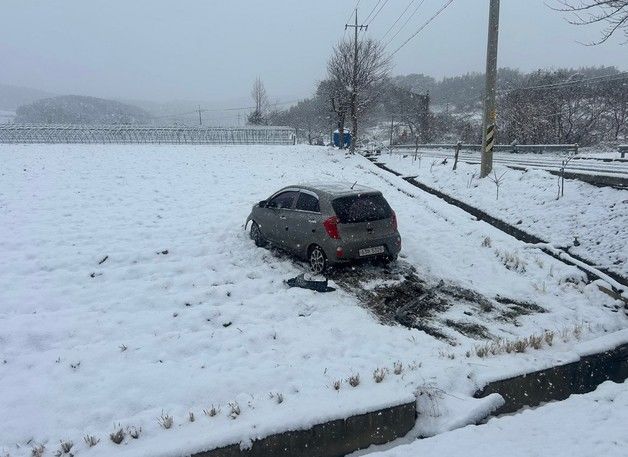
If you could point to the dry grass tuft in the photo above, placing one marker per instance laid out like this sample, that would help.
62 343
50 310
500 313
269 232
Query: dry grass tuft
379 374
398 368
134 432
212 411
91 440
165 420
191 417
234 410
337 383
278 397
354 380
117 436
65 448
37 451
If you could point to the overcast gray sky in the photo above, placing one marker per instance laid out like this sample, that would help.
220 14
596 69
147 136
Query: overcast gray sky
213 50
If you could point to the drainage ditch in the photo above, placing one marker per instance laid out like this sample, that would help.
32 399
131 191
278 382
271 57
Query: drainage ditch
518 233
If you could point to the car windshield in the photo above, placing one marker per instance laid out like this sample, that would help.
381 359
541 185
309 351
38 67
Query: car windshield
361 208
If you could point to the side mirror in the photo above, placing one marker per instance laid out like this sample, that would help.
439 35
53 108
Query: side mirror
262 204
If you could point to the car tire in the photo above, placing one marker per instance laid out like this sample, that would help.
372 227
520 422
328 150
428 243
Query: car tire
256 235
317 260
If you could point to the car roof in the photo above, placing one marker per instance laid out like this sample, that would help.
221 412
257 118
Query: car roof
336 189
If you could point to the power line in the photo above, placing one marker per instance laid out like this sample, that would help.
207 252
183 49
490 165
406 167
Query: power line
567 83
405 23
203 110
441 9
397 20
378 11
369 15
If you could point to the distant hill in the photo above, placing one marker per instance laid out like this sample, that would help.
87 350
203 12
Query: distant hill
13 96
76 109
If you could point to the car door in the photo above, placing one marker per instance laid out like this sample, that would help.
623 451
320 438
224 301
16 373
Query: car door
278 208
304 221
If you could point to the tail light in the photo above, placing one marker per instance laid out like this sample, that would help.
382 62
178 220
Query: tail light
331 227
393 221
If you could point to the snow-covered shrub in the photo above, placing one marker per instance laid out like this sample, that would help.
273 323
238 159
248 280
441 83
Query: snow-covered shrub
428 398
511 260
398 368
38 450
354 380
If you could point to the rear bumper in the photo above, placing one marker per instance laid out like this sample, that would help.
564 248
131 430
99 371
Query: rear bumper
351 250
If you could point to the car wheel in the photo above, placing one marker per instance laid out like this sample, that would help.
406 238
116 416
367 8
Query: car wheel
256 235
318 260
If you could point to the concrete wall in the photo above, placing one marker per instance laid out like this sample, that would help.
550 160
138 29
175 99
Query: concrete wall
560 382
331 439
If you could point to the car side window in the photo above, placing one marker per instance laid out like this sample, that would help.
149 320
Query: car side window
307 202
283 200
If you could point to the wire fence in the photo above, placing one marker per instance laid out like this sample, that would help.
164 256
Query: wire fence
129 134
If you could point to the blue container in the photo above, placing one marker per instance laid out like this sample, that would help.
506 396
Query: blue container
347 138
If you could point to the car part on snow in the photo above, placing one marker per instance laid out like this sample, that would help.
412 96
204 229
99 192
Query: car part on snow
318 286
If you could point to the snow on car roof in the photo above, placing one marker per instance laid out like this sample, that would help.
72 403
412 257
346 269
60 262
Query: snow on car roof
336 187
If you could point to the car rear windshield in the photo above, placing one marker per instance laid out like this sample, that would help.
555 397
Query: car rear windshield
361 208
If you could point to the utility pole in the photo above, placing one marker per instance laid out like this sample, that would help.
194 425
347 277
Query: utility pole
392 126
488 132
200 118
354 81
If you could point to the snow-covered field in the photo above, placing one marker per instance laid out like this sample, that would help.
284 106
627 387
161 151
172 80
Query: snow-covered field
129 290
596 216
587 425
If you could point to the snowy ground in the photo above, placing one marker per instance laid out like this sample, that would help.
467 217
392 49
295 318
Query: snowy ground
596 216
581 426
128 290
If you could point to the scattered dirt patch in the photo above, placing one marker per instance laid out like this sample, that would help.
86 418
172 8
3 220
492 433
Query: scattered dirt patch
470 329
396 294
515 308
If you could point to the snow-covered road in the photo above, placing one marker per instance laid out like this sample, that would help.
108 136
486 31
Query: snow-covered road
128 288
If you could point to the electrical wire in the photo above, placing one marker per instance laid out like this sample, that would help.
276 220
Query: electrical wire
440 10
567 83
376 5
398 18
405 23
378 11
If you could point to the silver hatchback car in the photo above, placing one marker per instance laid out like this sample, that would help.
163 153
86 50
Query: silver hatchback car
327 224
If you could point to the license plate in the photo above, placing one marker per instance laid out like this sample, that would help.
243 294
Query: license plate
371 251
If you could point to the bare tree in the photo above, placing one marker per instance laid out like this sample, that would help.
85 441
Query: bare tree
612 13
258 94
357 78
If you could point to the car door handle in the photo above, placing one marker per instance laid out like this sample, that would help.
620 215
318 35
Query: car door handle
282 217
312 221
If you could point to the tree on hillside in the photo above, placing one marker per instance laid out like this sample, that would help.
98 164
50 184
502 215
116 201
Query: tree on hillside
612 13
411 109
357 80
260 99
